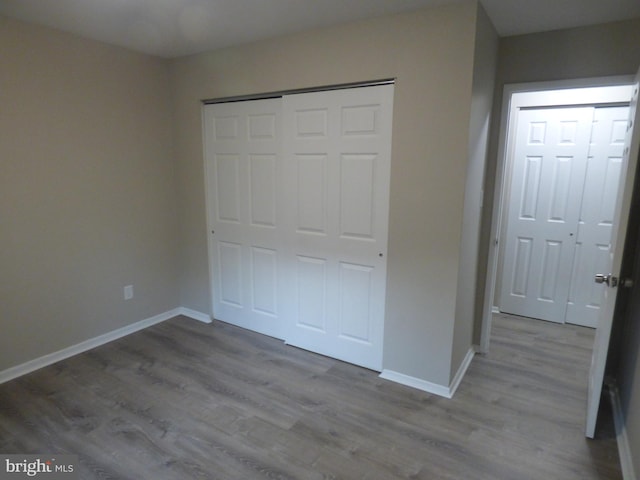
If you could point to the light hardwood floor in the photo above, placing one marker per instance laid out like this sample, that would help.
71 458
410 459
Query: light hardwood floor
185 400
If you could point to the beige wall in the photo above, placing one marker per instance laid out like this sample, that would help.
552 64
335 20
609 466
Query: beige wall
430 53
484 71
87 194
586 52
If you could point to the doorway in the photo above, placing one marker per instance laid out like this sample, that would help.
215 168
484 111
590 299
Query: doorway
628 89
614 91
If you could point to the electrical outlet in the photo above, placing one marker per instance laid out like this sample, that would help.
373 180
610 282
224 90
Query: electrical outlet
128 292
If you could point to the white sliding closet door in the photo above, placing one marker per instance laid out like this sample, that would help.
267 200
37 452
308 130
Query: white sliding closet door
243 144
549 169
298 206
337 151
567 167
604 168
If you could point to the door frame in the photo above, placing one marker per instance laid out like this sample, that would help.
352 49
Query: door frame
562 93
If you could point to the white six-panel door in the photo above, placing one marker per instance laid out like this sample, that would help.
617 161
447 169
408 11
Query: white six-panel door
549 169
298 204
243 151
596 214
337 152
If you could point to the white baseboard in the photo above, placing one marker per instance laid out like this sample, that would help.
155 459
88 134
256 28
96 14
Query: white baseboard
430 387
455 383
51 358
495 309
194 314
414 382
624 450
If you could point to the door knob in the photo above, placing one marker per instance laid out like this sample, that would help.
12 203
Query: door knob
610 280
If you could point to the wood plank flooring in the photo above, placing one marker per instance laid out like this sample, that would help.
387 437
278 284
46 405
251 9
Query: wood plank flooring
185 400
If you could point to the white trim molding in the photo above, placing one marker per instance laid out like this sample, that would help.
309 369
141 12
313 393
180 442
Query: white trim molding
624 450
417 383
194 314
431 387
51 358
455 383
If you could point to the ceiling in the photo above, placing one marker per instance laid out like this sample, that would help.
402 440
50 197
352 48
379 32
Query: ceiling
172 28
